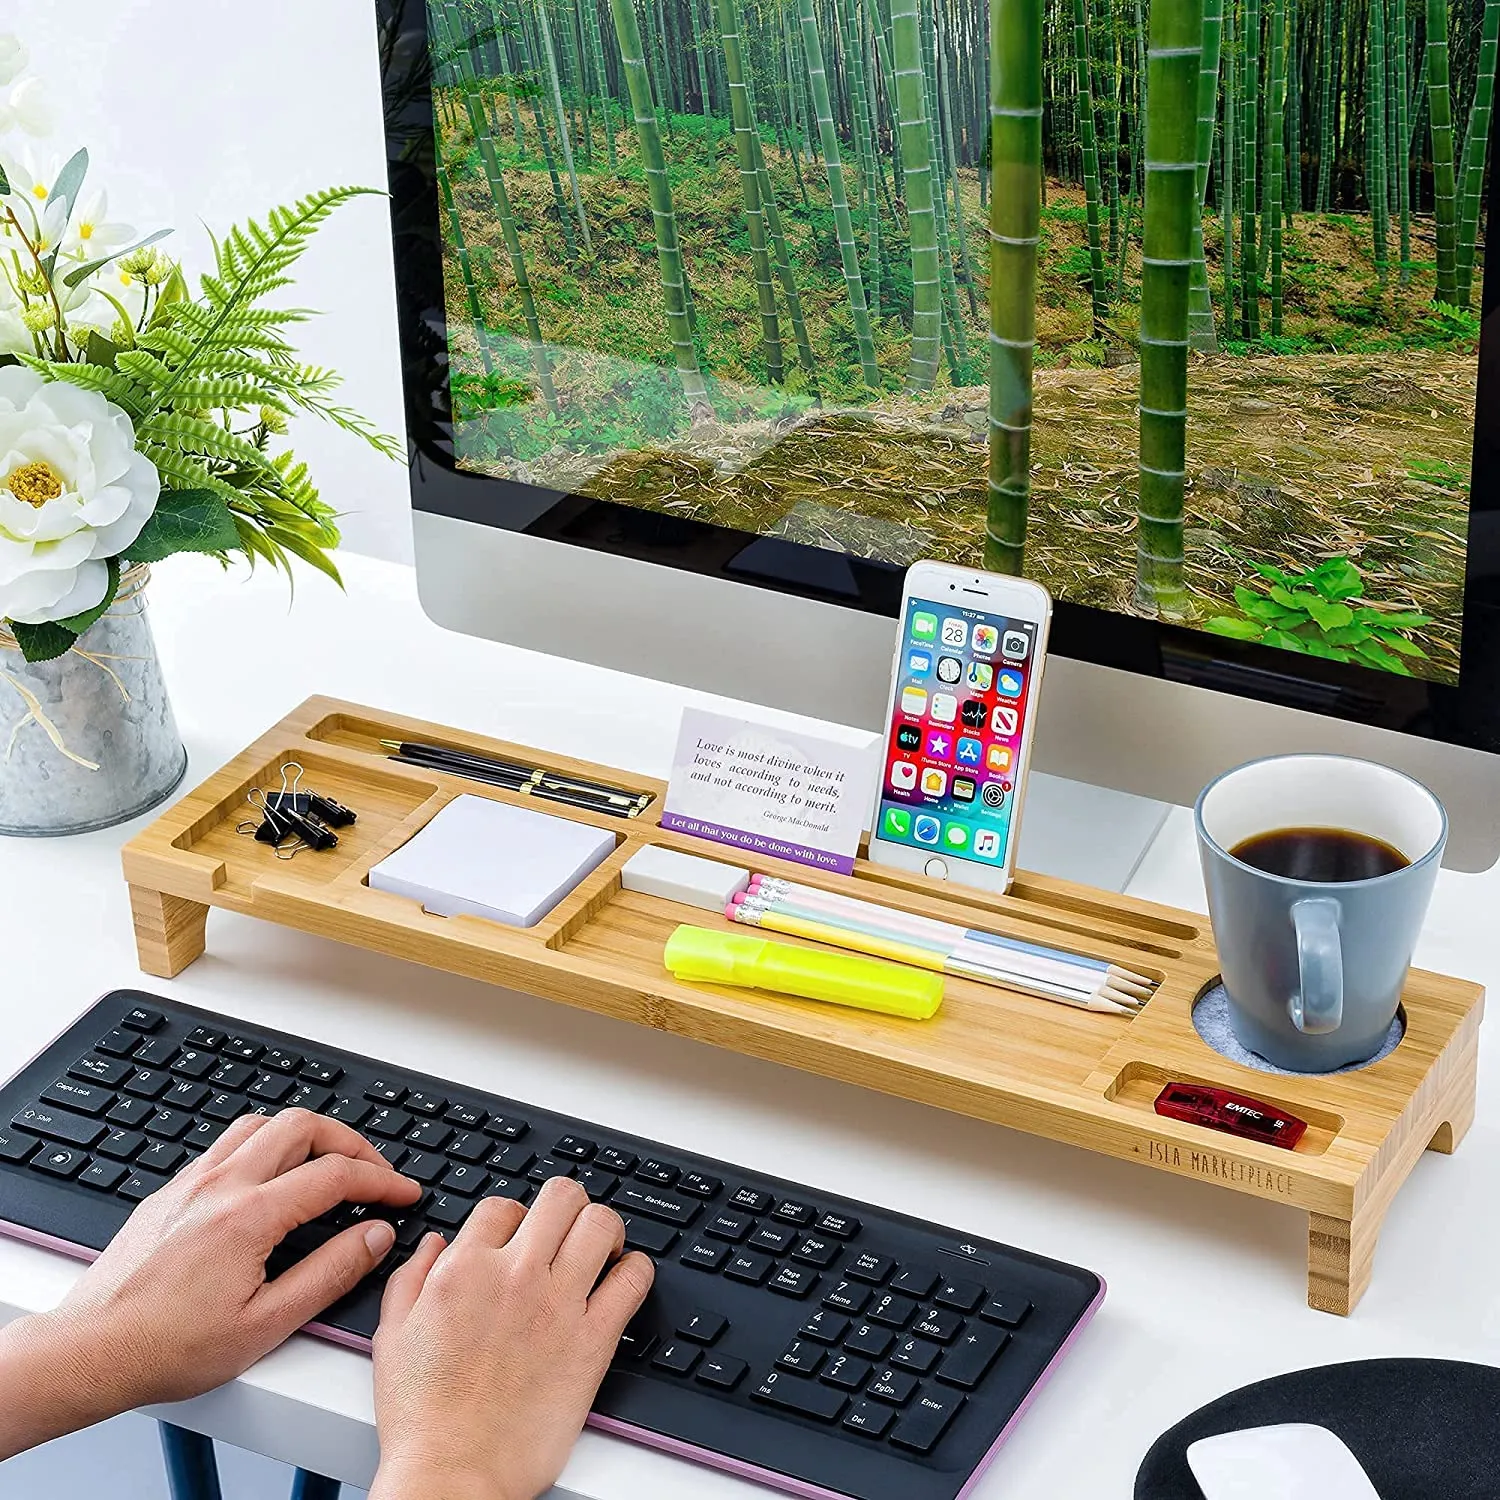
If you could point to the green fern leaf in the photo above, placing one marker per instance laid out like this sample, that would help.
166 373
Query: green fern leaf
189 434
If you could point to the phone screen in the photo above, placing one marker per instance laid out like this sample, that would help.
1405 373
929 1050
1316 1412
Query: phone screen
963 689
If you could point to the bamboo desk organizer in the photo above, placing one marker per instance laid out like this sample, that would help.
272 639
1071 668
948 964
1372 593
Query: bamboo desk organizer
1084 1078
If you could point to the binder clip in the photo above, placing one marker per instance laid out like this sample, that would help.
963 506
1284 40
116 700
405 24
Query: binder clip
293 819
294 799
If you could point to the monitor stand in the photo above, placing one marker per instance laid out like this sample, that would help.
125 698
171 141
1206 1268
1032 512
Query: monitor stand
1090 834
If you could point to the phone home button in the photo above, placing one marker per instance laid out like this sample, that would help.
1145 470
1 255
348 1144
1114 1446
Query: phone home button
937 868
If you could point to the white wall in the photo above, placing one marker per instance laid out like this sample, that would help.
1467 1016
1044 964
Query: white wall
207 111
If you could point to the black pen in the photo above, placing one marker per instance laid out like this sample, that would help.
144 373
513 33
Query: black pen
461 761
525 786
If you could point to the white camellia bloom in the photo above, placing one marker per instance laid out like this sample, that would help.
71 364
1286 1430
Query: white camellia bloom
13 57
73 493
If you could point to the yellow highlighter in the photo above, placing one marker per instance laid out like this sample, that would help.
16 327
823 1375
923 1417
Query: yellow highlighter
707 956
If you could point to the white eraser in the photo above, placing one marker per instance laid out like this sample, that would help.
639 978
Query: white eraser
684 877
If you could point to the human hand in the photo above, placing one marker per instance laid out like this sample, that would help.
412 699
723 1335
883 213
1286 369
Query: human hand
179 1302
490 1349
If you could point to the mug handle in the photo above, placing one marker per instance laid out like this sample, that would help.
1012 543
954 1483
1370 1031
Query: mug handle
1318 1005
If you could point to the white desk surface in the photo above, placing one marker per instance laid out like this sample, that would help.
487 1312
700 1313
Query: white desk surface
1207 1288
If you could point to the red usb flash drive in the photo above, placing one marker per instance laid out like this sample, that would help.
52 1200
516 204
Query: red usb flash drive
1218 1109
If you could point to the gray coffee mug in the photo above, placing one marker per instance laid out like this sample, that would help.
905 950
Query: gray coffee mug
1314 970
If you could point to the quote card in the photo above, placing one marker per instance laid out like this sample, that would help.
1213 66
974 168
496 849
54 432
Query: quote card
770 791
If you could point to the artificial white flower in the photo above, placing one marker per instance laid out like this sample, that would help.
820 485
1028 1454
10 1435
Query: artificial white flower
31 177
73 493
91 235
14 339
13 57
26 108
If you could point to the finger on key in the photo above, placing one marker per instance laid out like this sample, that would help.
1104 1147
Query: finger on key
550 1219
299 1196
492 1225
596 1238
297 1135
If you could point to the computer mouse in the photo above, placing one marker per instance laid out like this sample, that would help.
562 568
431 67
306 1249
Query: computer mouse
1292 1461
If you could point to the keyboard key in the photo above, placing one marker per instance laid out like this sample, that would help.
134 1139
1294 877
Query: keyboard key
449 1209
117 1043
140 1186
206 1037
393 1151
660 1172
420 1103
148 1083
516 1159
648 1235
110 1071
772 1238
388 1123
968 1361
893 1386
242 1049
1009 1312
792 1212
161 1156
131 1113
546 1169
121 1145
280 1061
893 1311
103 1175
915 1354
60 1161
915 1281
616 1160
698 1185
509 1128
797 1393
826 1327
310 1096
745 1265
320 1072
679 1357
15 1145
140 1018
516 1188
204 1134
721 1372
385 1091
429 1135
868 1339
869 1418
731 1227
575 1148
848 1296
224 1107
231 1075
920 1428
598 1185
848 1372
816 1251
794 1281
271 1088
635 1343
58 1125
937 1324
752 1200
664 1206
154 1052
465 1178
169 1124
703 1327
467 1145
705 1256
424 1166
353 1112
85 1098
185 1095
803 1356
963 1295
840 1226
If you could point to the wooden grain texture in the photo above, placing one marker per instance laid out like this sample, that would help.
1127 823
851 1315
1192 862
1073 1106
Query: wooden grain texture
1086 1079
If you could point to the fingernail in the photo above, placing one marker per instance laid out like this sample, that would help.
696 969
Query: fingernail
379 1238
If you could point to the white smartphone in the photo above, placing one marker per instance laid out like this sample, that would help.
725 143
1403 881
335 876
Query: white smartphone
959 724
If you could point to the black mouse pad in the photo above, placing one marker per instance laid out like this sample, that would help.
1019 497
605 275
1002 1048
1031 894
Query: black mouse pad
1422 1428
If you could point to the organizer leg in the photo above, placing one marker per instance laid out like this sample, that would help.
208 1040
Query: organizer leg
307 1486
1460 1113
1340 1259
192 1469
169 931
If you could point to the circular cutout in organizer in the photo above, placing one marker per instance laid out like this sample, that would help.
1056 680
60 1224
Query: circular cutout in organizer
1211 1022
1419 1427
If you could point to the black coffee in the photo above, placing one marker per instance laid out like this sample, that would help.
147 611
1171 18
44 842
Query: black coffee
1322 854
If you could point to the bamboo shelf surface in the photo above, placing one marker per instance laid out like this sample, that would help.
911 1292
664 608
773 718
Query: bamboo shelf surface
1084 1078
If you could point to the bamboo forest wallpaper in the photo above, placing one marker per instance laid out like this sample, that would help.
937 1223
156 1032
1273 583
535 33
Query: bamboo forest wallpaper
1170 304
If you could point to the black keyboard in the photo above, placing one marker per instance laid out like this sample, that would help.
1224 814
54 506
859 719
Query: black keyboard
810 1342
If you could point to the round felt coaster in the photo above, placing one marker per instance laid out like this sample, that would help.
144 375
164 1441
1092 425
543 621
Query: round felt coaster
1421 1427
1211 1022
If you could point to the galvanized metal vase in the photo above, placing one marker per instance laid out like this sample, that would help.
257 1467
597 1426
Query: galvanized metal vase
88 740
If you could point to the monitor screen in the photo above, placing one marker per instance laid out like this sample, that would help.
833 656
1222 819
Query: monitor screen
763 269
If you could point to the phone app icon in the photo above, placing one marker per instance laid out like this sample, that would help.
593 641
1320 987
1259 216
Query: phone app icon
1008 683
927 829
1015 645
944 707
897 823
919 663
908 737
956 836
974 713
993 794
950 669
969 751
955 632
923 626
963 789
986 639
981 675
987 843
903 775
1005 720
914 701
939 745
934 782
998 758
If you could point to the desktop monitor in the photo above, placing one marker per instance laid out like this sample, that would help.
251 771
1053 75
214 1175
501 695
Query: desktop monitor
700 312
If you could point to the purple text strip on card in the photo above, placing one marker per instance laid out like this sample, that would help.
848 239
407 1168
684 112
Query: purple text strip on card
758 843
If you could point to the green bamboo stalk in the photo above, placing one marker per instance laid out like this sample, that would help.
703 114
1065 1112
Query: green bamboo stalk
1401 40
1202 332
541 361
1250 151
945 100
955 338
1015 233
1440 110
563 133
1088 139
867 53
1276 155
700 57
787 277
544 136
1329 21
1226 184
1377 185
663 209
1476 147
1175 56
1291 185
466 269
916 166
606 99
